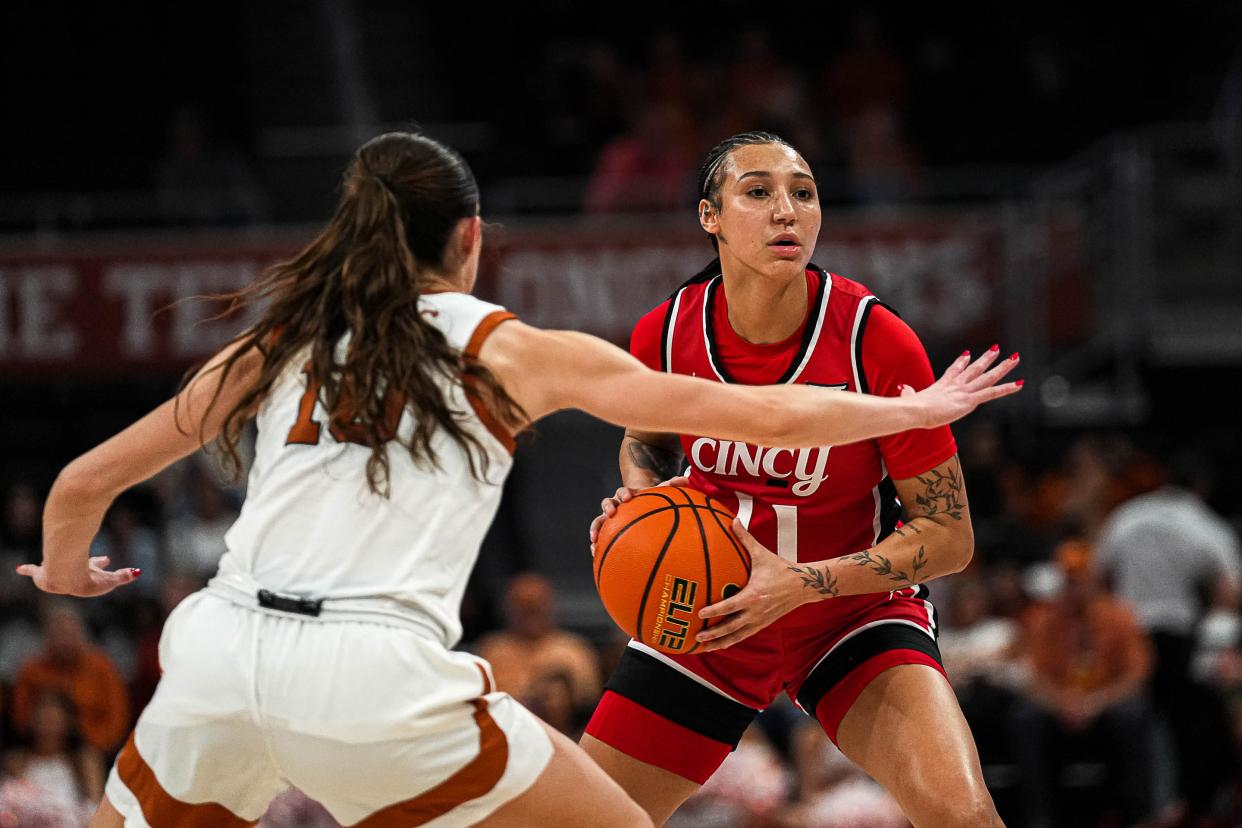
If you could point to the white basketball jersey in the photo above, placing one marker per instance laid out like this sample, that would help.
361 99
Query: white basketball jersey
311 526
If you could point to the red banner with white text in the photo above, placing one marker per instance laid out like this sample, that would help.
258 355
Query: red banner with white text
110 306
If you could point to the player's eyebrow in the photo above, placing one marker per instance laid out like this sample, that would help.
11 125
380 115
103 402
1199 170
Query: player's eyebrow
765 174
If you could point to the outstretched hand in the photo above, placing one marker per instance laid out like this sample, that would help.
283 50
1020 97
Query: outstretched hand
97 580
965 386
773 590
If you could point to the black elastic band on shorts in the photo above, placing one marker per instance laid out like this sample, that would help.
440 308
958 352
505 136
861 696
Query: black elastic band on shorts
299 604
852 653
650 683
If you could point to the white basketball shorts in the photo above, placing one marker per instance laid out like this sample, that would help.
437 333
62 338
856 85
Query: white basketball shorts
379 723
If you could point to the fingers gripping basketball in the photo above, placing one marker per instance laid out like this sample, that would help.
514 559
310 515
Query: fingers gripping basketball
667 553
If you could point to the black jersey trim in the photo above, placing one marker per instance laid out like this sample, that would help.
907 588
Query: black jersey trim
848 656
650 683
708 273
890 508
709 330
666 334
864 387
922 593
809 334
860 372
814 324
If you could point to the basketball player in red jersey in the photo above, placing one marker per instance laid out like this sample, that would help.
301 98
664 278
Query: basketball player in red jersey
835 613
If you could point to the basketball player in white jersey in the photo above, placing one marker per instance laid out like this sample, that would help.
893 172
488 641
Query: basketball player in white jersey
386 400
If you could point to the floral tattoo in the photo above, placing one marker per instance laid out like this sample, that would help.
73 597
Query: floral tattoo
881 565
820 580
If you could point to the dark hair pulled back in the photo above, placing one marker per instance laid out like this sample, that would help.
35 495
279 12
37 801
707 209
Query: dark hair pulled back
402 196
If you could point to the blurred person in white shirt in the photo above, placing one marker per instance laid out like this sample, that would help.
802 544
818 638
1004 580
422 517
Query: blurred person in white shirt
196 540
976 643
1165 552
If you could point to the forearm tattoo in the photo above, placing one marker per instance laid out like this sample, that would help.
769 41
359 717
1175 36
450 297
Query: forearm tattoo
881 565
942 494
658 460
820 580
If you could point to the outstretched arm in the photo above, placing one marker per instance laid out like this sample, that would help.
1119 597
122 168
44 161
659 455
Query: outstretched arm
547 371
86 487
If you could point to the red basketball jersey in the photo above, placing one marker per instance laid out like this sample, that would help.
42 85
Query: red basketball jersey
806 504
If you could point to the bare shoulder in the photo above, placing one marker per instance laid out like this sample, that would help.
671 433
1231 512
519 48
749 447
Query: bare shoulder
512 345
526 360
516 343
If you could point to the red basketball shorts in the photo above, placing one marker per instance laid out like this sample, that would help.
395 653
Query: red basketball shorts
685 713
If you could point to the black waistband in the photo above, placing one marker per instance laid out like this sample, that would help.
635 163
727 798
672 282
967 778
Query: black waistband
299 604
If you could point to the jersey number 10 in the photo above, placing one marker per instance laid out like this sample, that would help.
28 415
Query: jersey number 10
306 429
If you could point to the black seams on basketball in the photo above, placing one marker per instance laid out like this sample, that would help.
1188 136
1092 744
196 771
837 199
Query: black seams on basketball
663 556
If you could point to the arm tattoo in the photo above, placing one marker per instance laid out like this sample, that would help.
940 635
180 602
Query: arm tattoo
881 565
656 459
942 493
820 580
901 530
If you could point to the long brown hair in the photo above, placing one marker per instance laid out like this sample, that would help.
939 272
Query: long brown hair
403 195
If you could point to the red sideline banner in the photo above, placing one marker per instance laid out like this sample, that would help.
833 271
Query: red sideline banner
109 306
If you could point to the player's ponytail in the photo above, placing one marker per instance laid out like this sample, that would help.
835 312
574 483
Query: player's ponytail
402 197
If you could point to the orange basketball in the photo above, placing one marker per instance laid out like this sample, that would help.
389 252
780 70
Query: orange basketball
665 555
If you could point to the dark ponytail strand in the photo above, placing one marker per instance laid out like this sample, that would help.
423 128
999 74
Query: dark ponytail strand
402 196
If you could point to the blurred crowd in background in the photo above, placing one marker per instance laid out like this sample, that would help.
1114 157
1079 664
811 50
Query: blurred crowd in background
1095 644
252 107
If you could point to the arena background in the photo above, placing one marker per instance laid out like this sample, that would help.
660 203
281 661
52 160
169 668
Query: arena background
1068 183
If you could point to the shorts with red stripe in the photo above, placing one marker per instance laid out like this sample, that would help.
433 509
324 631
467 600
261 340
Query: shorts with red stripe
685 713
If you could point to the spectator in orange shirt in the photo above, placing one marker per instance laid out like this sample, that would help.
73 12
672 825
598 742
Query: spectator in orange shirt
70 665
531 647
1089 662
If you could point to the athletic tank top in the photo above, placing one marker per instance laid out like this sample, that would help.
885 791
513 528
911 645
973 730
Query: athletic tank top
310 524
804 504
